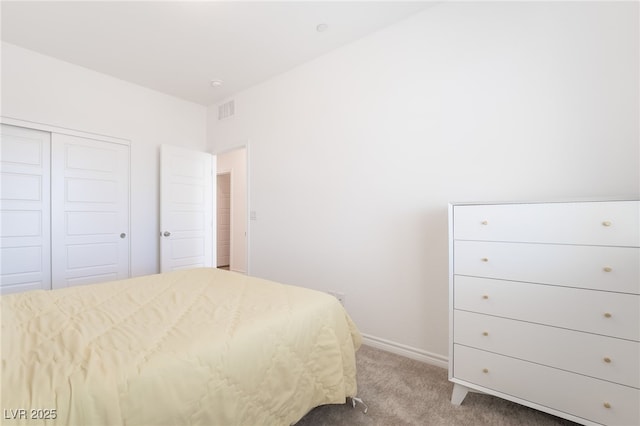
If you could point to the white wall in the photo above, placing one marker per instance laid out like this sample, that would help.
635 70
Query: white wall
354 156
45 90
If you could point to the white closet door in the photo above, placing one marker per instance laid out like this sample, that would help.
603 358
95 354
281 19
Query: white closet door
90 210
24 210
186 209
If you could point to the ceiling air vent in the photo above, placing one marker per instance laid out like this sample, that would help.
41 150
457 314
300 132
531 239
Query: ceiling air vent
226 110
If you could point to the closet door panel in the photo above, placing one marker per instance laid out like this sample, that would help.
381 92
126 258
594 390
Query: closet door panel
25 232
90 210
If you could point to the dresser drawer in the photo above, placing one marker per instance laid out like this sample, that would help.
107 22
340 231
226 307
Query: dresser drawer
615 223
594 267
602 357
609 314
560 390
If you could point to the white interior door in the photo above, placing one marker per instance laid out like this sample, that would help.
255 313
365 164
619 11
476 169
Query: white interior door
89 210
187 206
25 239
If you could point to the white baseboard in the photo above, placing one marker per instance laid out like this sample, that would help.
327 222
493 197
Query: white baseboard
406 351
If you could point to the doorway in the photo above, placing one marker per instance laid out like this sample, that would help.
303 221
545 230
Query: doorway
223 220
232 216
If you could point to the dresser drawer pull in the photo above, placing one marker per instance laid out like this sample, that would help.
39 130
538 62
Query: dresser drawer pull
607 315
485 370
607 359
486 296
607 405
484 222
485 333
606 223
484 259
607 269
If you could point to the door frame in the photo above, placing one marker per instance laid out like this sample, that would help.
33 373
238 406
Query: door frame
247 153
218 174
62 130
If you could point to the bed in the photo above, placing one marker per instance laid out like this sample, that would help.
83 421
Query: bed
200 346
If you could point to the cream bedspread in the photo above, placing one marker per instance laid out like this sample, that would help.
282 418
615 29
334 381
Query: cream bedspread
201 346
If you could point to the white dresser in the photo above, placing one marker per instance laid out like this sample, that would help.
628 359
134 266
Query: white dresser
545 307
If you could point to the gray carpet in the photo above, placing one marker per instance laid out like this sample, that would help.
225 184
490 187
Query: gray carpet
401 391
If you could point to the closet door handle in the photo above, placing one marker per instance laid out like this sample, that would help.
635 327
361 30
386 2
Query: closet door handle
123 235
167 234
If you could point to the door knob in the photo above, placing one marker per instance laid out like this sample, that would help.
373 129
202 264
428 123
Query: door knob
166 233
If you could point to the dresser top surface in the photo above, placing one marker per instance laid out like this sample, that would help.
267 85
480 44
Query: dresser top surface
567 201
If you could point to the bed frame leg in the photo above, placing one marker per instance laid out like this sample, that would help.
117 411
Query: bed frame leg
355 400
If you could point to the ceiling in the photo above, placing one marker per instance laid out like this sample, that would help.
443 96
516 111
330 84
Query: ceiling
179 47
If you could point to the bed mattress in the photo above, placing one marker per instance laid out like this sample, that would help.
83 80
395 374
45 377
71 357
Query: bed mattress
200 346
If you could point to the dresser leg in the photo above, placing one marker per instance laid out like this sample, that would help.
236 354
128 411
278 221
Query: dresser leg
458 394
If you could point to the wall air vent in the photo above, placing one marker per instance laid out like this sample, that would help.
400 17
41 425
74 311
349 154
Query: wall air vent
226 110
